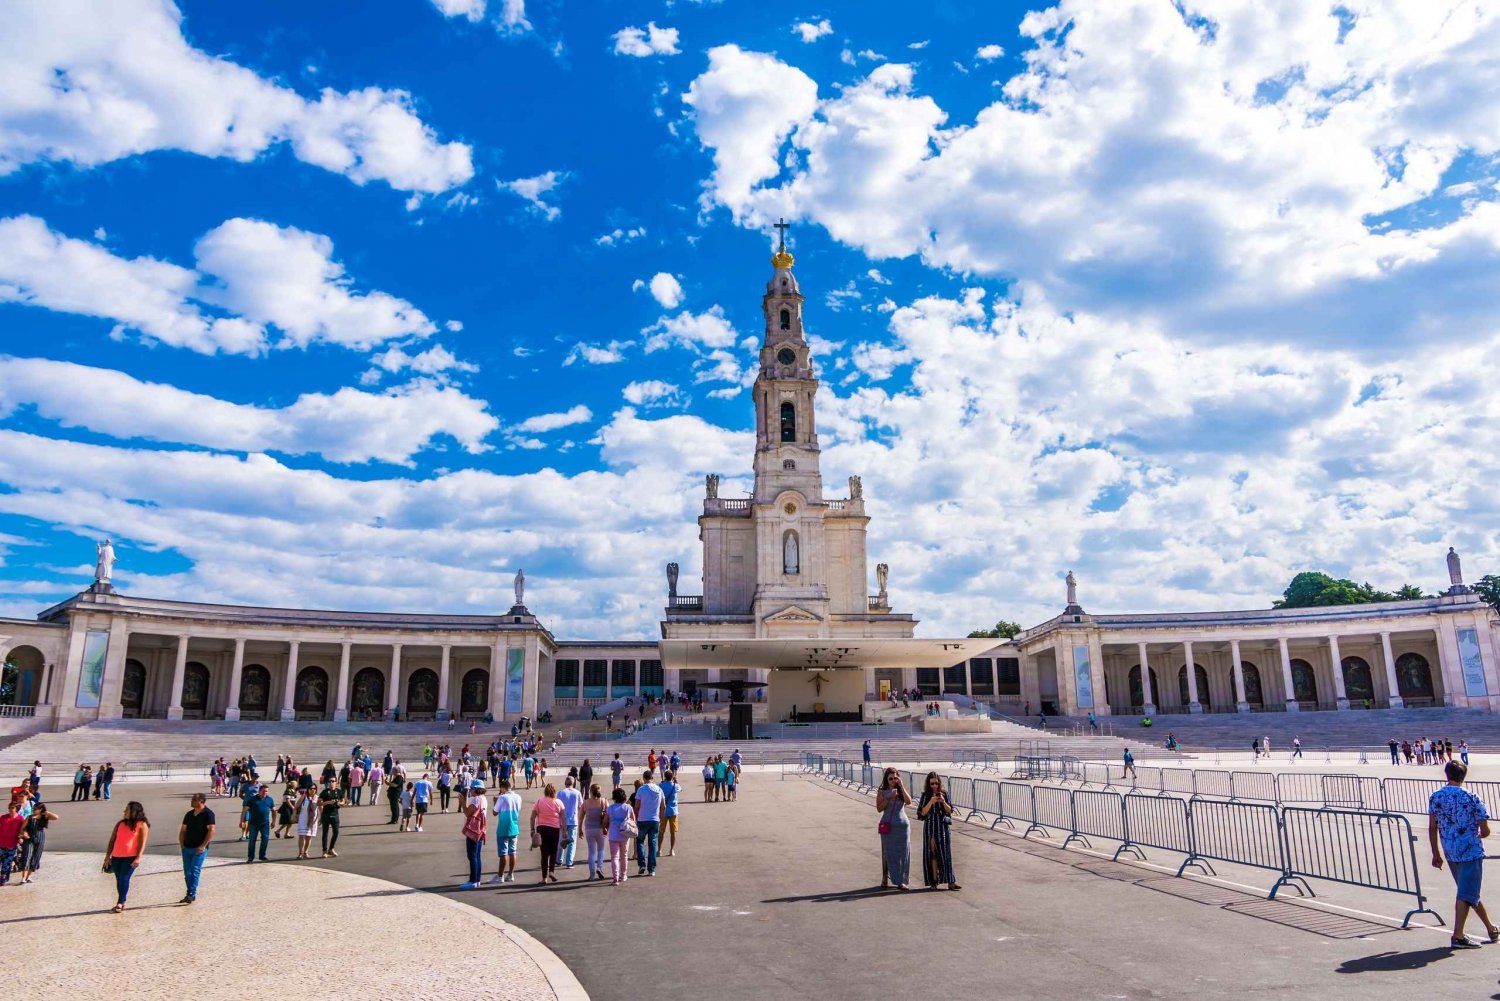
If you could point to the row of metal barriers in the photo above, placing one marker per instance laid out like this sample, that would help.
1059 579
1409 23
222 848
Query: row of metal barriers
1363 792
1353 846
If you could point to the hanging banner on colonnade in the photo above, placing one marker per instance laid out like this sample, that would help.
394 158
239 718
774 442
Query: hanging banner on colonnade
515 678
91 677
1083 677
1472 662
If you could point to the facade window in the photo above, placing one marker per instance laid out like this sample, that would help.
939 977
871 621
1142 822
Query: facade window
786 319
651 677
788 463
1008 676
622 676
981 677
788 422
594 674
954 679
565 682
927 680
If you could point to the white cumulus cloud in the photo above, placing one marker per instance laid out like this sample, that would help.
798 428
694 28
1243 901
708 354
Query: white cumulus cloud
666 290
647 41
534 191
811 31
652 393
89 83
988 53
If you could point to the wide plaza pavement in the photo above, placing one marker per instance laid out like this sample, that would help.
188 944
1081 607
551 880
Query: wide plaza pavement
776 896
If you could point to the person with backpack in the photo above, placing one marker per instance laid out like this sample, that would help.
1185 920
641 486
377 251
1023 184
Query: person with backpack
619 824
474 831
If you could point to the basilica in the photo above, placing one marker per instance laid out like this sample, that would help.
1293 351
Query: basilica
785 604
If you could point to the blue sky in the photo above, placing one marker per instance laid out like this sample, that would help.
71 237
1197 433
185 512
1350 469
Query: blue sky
366 306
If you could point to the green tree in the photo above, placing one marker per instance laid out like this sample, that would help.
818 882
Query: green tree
1313 588
1488 588
1004 630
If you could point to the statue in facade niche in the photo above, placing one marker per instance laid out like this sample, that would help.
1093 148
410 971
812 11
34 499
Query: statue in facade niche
520 587
104 564
789 555
856 488
712 483
1072 583
1455 568
882 573
671 580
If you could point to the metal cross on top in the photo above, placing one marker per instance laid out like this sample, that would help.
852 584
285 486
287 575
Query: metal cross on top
782 225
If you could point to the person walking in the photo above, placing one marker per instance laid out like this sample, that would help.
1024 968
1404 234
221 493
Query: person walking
592 819
375 781
1296 747
1093 722
127 843
891 800
1458 819
12 838
619 824
475 820
546 823
421 799
329 802
356 782
280 768
670 790
30 858
649 803
395 785
1129 765
508 808
194 835
616 769
286 815
256 817
585 775
307 821
936 813
571 799
444 786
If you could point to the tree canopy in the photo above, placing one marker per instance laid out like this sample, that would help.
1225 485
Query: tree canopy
1488 588
1313 588
1004 630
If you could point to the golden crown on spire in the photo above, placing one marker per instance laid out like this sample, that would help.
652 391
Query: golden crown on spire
781 259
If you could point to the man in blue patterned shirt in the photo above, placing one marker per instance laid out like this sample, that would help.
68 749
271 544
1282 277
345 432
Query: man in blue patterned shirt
1458 818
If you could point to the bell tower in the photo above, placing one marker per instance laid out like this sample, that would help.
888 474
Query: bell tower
786 434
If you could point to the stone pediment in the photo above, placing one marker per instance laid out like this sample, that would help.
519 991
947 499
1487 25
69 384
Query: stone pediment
792 613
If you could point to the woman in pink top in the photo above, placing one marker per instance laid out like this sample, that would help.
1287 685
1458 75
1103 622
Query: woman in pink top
127 843
547 820
356 782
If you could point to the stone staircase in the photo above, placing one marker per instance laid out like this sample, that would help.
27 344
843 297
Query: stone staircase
1355 728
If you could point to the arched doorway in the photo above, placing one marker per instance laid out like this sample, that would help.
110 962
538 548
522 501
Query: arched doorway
1304 682
311 696
21 676
1202 678
1137 694
1358 683
422 692
195 690
1254 694
255 691
367 697
474 693
1414 677
133 689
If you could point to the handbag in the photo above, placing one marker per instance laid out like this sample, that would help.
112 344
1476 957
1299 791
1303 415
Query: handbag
629 827
884 827
536 839
474 826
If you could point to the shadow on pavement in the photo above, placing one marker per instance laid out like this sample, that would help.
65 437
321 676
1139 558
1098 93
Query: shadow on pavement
839 896
1394 962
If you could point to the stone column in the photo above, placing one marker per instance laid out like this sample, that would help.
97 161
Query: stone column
341 710
1286 676
1241 704
1099 676
174 708
496 705
289 693
113 682
393 690
232 706
1194 706
443 710
1148 697
1451 667
1393 687
1340 696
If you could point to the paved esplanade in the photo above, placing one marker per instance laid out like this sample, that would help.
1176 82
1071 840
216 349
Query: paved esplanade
772 897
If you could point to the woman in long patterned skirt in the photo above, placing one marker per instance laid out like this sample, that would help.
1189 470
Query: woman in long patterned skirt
936 813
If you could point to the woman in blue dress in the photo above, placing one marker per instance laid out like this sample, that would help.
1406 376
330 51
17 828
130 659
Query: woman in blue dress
891 800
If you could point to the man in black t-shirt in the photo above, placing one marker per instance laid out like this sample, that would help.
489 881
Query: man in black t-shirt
328 820
194 837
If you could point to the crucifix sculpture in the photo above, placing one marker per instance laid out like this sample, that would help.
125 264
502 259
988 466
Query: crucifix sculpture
783 226
817 681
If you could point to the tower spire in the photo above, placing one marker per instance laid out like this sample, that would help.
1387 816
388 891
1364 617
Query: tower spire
781 259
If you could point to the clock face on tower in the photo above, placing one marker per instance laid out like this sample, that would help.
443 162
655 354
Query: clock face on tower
786 356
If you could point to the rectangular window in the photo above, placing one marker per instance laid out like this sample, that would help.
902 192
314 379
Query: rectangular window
594 674
981 677
1008 676
622 677
954 679
566 684
651 677
927 680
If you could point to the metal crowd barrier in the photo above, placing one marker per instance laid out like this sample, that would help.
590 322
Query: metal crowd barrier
1372 848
